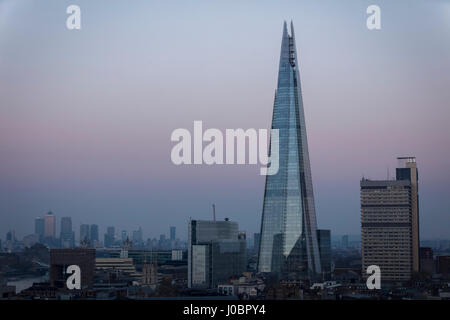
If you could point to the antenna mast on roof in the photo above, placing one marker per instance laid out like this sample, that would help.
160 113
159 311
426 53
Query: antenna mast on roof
214 212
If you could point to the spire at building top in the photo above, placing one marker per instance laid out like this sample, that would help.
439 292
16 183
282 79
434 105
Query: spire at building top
289 240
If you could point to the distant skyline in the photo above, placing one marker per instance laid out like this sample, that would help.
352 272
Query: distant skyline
86 116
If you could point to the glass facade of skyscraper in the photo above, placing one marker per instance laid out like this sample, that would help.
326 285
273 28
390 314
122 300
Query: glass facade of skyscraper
288 230
67 237
216 252
324 239
39 227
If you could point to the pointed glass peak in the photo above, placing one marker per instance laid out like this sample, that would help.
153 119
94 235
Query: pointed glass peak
288 51
285 30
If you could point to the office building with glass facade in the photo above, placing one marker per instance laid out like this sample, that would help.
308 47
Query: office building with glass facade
288 244
39 227
216 252
324 239
67 236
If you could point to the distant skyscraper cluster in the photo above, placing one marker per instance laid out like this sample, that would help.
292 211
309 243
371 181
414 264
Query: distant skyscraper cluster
89 236
45 229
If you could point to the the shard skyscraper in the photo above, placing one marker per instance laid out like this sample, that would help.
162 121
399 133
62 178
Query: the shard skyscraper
288 244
